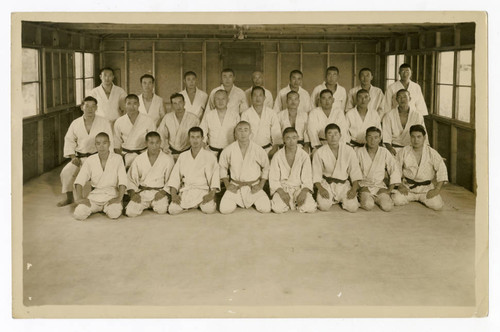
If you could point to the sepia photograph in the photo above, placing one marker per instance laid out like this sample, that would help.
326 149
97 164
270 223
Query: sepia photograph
249 165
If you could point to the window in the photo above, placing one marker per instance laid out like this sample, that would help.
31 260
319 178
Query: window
59 78
31 82
392 68
454 85
84 75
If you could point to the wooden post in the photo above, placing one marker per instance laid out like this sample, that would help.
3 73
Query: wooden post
204 66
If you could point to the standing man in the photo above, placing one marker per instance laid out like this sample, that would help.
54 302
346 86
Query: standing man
294 85
421 166
150 104
110 98
321 116
290 177
397 123
236 96
130 131
244 169
291 117
335 166
377 101
195 177
258 80
108 179
175 126
219 124
195 99
417 102
147 178
375 161
361 118
330 83
263 123
79 144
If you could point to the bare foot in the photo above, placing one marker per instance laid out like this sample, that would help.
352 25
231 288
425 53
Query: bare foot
64 202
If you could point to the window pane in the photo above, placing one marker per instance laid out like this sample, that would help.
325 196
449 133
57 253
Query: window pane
390 67
30 99
445 100
79 91
89 85
400 61
464 67
78 65
57 92
463 107
30 65
445 67
89 65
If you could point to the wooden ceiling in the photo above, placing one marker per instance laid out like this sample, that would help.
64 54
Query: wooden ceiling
247 32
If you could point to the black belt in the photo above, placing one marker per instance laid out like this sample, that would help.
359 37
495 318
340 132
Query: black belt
322 139
330 180
215 149
150 188
353 142
84 155
132 151
300 142
397 146
267 146
174 151
415 184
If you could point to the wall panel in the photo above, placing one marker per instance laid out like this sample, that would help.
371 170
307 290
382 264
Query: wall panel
344 62
289 62
30 151
313 67
465 158
139 63
270 77
167 74
49 144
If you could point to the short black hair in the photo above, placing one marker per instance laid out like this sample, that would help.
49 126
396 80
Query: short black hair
107 68
360 91
332 126
404 65
403 91
176 95
418 128
258 88
325 91
365 69
89 98
195 130
373 129
289 130
189 73
296 71
102 134
153 134
332 68
227 70
147 76
132 96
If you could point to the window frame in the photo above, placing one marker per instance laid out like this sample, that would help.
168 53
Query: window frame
83 77
395 69
41 97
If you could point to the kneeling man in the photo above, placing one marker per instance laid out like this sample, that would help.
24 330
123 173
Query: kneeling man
375 161
333 165
248 165
106 173
147 178
421 165
290 177
195 177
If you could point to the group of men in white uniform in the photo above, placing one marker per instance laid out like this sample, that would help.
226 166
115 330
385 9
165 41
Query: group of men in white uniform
325 145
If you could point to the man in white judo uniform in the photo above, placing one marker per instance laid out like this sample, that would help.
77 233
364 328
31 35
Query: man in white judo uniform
290 177
218 124
330 83
334 167
236 96
291 117
175 126
417 102
130 131
396 123
150 103
147 178
258 80
374 162
106 173
295 84
195 177
264 123
79 144
110 97
248 165
195 100
421 166
377 97
321 116
361 118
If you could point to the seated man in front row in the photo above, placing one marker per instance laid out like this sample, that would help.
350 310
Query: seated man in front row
374 160
195 177
290 177
420 165
106 173
333 165
248 165
147 178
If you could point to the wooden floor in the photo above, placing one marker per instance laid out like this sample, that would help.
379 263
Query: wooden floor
411 256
